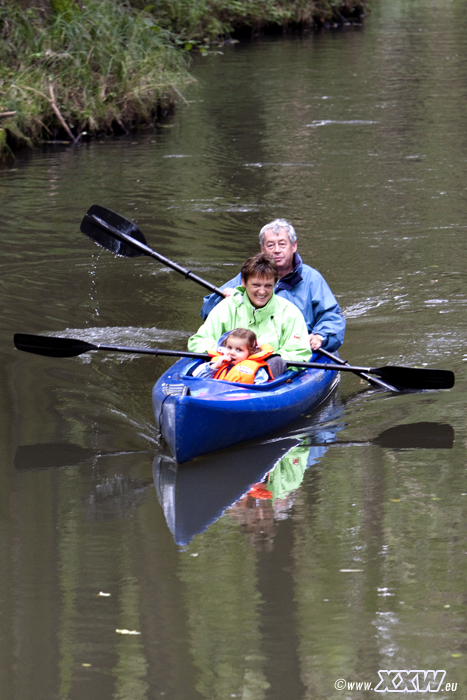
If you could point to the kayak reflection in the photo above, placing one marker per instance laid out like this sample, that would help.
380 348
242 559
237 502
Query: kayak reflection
196 494
257 485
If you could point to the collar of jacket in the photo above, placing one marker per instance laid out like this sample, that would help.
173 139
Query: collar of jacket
292 278
241 297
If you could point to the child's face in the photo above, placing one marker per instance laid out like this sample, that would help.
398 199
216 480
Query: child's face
236 350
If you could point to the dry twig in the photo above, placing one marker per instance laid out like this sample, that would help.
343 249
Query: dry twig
53 104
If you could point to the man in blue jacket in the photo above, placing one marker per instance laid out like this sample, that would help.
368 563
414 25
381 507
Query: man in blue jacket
299 283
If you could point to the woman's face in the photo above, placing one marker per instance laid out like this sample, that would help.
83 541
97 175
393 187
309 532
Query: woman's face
259 290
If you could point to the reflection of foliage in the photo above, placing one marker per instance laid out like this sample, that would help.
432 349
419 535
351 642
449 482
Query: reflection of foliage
372 551
69 577
131 668
223 604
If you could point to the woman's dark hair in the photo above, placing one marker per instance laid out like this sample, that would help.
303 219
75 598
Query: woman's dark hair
260 265
244 334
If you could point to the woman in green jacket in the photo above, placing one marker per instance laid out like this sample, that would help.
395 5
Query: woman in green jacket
254 305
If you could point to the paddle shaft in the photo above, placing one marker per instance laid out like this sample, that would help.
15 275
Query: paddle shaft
52 346
205 356
146 250
202 356
344 367
363 374
337 367
150 351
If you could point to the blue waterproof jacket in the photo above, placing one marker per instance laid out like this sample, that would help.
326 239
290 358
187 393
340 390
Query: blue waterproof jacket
308 290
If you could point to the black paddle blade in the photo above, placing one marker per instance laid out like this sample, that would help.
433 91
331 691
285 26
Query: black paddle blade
426 435
408 436
103 226
414 378
51 347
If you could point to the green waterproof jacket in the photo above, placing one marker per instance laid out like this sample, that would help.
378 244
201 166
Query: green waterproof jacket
288 473
279 323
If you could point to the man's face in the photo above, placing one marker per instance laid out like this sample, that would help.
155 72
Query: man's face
279 247
259 290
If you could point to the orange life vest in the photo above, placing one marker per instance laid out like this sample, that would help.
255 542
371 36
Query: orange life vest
259 492
245 371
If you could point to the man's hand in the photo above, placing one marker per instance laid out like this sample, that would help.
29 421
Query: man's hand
228 291
315 341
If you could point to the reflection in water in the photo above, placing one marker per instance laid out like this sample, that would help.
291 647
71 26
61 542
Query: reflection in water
54 455
257 485
116 497
272 499
196 494
51 455
412 436
132 666
224 610
237 587
409 436
109 497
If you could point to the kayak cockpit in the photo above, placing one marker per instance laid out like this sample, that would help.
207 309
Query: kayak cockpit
287 377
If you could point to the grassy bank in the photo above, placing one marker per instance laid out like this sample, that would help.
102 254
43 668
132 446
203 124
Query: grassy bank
107 66
101 68
210 19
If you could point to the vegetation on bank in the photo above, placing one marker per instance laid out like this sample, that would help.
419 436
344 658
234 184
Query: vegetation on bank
74 67
96 68
208 20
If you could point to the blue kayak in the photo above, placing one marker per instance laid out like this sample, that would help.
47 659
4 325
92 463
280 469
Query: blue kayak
197 416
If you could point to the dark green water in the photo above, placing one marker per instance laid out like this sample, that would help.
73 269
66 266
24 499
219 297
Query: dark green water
359 562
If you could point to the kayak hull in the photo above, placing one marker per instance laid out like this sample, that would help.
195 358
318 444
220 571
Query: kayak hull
197 416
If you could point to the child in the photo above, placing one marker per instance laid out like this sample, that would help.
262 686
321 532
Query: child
239 359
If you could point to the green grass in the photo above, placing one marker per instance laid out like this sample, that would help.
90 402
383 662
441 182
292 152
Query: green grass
95 69
213 19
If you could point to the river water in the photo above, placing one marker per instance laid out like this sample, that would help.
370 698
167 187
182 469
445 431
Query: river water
352 558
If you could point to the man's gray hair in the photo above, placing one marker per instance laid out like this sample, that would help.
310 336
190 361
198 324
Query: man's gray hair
276 225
